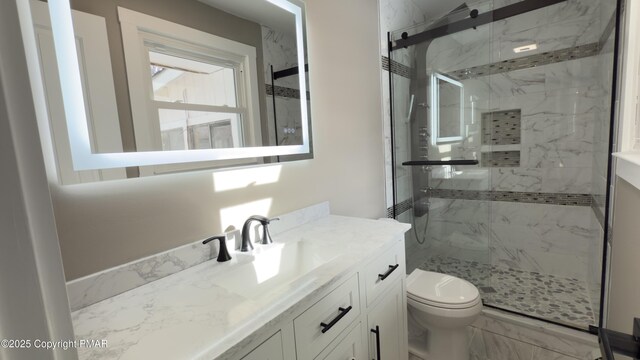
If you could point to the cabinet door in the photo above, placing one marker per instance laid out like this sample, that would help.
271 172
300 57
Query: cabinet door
387 335
321 324
349 348
268 350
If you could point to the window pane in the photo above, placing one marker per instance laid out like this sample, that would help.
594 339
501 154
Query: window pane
199 130
211 136
178 79
173 139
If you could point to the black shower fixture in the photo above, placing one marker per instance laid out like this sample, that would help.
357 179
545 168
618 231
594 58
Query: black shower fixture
474 20
474 14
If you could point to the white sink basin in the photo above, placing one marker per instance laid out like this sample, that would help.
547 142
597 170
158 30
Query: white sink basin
274 266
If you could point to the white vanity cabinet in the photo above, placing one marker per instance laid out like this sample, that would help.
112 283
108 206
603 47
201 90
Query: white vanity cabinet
347 348
327 319
387 305
339 324
387 329
271 349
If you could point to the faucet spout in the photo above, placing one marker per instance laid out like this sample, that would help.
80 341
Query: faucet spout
246 239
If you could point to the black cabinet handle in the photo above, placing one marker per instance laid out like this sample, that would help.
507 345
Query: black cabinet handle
343 312
377 332
392 268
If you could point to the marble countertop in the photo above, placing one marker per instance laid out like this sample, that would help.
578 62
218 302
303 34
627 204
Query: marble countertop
187 316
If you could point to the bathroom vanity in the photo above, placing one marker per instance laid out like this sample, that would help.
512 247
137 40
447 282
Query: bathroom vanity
329 287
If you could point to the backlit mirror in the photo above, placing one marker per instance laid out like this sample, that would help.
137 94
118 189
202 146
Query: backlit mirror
447 109
172 85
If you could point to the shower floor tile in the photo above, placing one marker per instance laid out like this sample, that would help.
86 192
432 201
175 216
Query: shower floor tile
557 299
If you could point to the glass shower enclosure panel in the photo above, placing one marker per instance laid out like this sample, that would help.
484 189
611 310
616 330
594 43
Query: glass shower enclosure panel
526 95
437 118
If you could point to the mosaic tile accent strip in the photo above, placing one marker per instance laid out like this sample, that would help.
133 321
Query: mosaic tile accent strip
396 67
401 208
608 30
501 127
285 92
500 159
559 299
525 62
514 196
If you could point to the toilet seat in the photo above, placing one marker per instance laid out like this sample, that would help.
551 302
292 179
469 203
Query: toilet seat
441 290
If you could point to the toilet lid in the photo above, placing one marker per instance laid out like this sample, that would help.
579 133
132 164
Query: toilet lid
440 289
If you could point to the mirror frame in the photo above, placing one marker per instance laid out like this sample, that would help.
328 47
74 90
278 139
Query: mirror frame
435 109
74 106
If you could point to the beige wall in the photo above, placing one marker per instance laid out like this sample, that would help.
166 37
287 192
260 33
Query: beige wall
101 225
624 291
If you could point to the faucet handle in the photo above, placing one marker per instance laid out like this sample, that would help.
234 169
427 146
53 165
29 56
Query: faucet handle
223 253
266 236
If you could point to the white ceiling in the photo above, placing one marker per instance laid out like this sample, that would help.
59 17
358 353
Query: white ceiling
259 11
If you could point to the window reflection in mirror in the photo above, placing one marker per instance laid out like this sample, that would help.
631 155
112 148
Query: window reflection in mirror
194 80
179 79
191 82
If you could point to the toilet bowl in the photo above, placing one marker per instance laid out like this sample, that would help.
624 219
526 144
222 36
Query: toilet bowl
443 305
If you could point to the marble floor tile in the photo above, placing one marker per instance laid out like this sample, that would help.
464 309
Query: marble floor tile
558 299
477 350
500 347
544 354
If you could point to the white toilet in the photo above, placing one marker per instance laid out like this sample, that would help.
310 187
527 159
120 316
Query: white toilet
444 305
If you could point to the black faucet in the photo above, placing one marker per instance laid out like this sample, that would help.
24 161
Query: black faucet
223 254
266 237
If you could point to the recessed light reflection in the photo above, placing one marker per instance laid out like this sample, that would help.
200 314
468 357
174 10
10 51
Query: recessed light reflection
525 48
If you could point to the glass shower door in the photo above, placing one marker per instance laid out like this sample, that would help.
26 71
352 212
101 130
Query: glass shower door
437 117
528 97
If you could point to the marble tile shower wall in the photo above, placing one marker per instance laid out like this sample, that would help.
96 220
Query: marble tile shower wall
557 87
560 26
548 239
560 113
563 146
563 118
